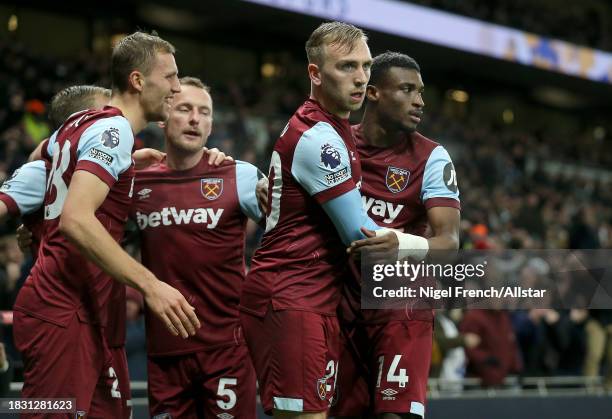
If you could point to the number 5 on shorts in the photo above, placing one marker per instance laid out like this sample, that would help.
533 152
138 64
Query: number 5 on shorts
222 391
401 378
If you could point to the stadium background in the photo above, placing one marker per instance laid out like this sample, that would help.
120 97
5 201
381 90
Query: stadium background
532 147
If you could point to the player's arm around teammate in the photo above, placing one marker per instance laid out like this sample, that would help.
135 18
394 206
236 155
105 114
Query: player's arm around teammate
80 225
24 191
142 96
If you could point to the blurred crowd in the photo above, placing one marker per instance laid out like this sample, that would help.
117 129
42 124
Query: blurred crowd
585 23
510 200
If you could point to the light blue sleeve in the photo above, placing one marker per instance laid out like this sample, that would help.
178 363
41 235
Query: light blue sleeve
320 159
50 143
108 143
27 186
440 177
247 176
348 215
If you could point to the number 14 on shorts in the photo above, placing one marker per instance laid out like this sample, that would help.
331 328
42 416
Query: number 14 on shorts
393 375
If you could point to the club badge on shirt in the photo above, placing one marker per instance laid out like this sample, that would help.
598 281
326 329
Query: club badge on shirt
211 188
397 179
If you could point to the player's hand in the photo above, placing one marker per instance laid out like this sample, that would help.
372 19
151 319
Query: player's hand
261 191
24 238
383 244
145 157
471 340
216 156
172 308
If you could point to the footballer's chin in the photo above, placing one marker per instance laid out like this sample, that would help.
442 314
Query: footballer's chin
354 106
190 143
413 127
408 127
160 114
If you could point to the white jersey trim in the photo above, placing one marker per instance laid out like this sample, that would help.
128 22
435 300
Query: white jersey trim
417 408
287 403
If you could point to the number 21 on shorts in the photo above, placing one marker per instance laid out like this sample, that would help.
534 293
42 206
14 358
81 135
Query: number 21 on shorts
393 375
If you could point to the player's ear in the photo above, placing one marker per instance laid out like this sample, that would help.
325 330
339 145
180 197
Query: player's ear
136 80
315 74
372 93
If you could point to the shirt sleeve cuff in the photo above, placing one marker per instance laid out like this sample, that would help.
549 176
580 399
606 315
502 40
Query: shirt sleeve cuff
11 205
442 202
97 170
331 193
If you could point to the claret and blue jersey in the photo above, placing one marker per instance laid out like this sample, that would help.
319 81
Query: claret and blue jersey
315 210
193 226
401 183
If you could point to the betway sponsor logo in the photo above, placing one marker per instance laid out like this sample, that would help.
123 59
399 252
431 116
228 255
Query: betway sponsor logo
381 208
172 216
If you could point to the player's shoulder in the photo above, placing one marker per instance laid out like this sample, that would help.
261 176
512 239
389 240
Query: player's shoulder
244 165
223 169
307 138
155 170
109 116
309 122
246 171
422 143
107 128
111 124
321 131
425 148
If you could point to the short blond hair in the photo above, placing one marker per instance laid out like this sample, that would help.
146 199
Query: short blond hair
136 52
332 33
74 99
195 82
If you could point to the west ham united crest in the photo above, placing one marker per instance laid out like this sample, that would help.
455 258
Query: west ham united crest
212 188
322 388
397 179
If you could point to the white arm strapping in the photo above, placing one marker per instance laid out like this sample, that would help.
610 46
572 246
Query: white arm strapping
415 247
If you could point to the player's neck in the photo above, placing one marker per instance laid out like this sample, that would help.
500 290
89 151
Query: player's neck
375 134
328 105
131 110
181 160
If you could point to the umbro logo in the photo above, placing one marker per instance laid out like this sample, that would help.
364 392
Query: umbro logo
389 394
144 193
225 415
